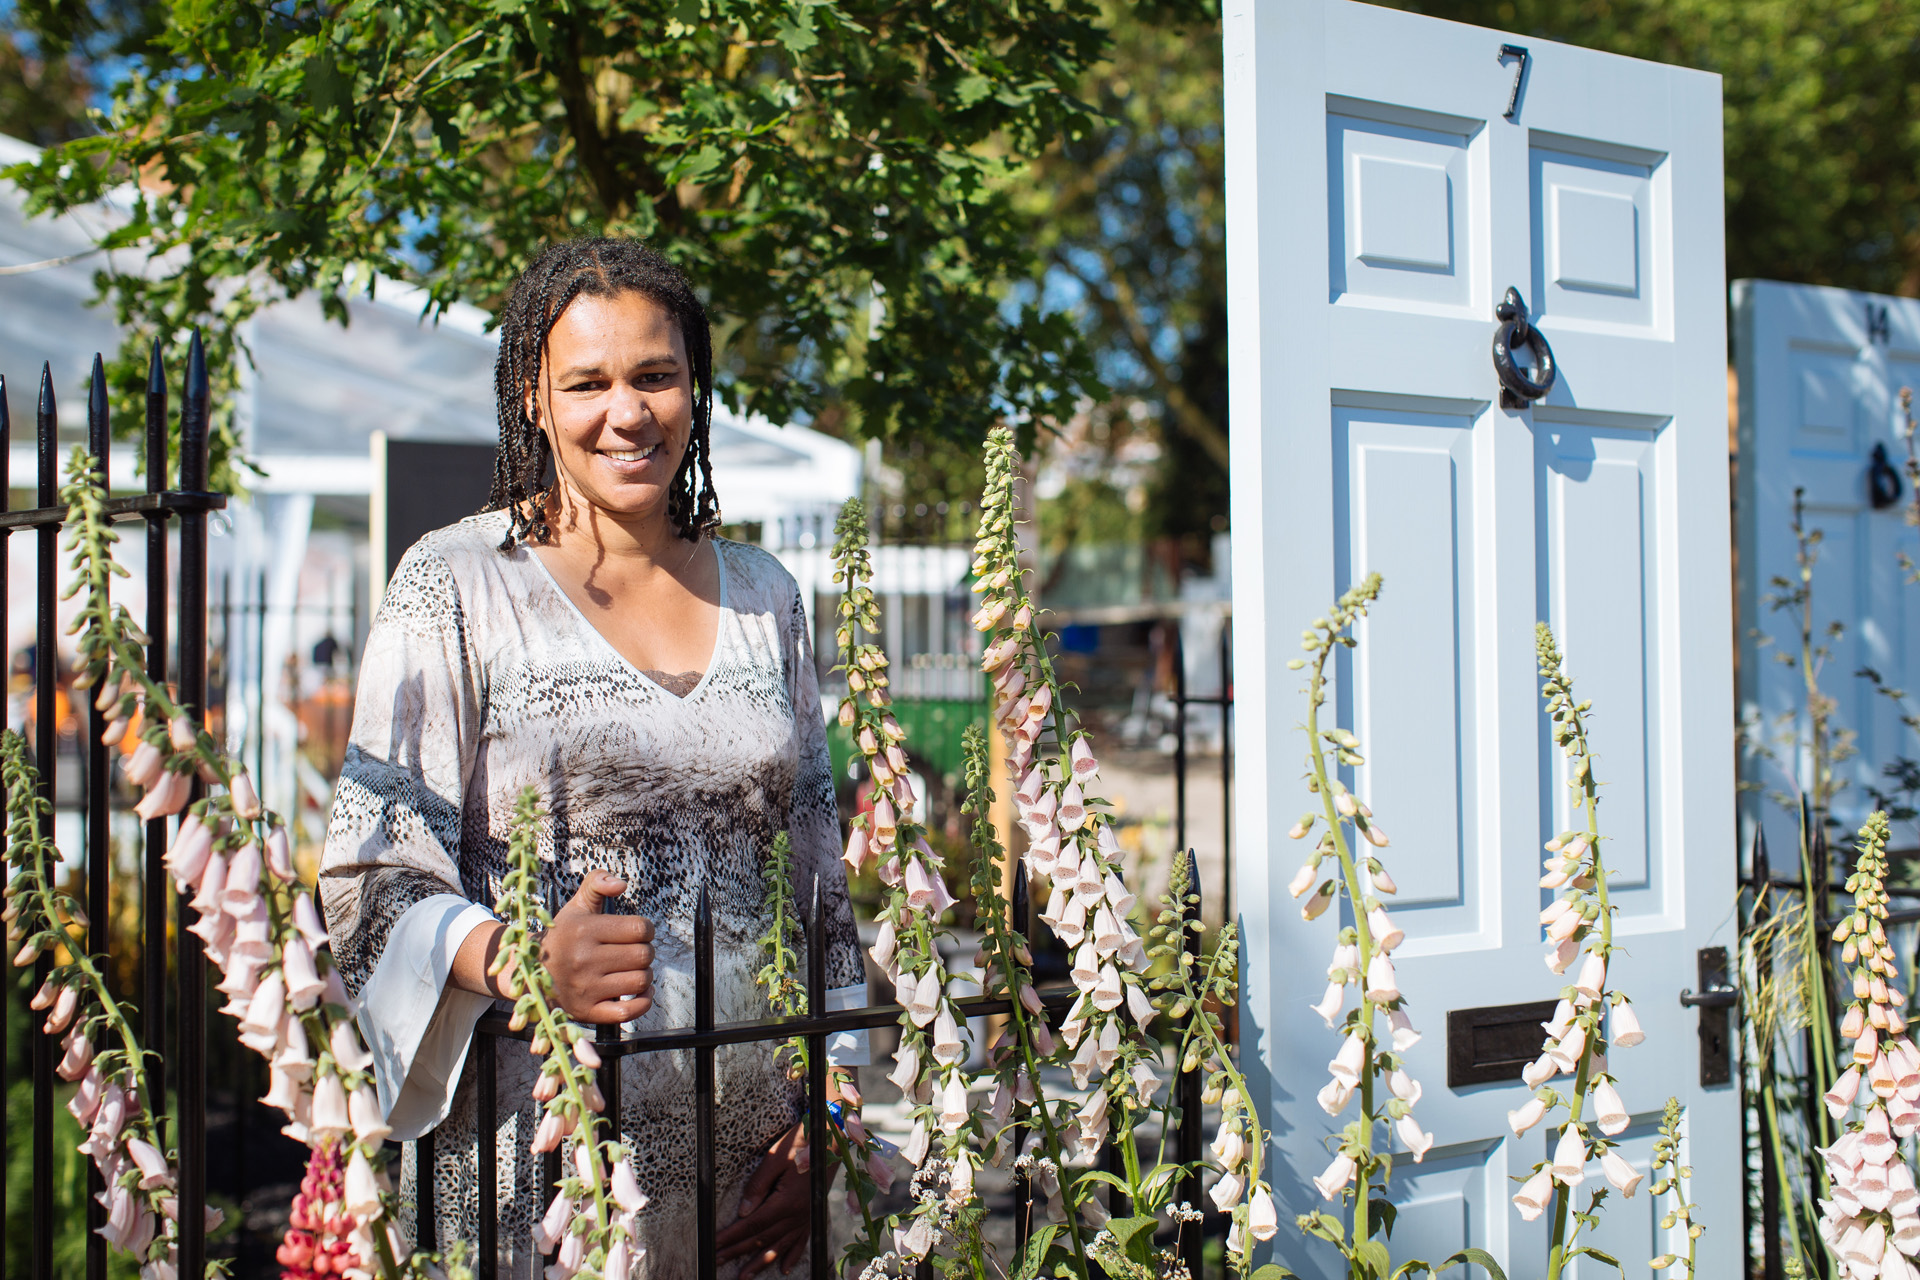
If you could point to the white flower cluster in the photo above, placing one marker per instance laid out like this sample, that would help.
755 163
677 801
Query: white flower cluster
1579 920
1871 1221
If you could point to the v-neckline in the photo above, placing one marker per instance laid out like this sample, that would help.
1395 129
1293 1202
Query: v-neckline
719 626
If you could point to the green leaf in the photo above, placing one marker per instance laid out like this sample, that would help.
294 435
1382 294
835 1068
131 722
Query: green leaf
1477 1257
1382 1213
1272 1271
1374 1256
971 89
1607 1258
1135 1237
1037 1250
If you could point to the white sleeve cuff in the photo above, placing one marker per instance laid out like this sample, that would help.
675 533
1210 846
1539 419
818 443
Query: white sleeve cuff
848 1048
416 1022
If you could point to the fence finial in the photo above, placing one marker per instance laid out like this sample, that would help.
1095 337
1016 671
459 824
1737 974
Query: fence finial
98 431
193 419
47 431
156 421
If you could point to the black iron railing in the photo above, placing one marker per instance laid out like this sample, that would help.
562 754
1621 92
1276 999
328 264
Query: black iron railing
183 989
705 1036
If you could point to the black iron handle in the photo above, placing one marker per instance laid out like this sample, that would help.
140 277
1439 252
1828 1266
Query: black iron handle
1517 388
1713 998
1883 482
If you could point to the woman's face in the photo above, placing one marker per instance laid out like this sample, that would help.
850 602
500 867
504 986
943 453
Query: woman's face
617 403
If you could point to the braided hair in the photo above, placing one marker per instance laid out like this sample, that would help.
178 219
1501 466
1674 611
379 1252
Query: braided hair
599 267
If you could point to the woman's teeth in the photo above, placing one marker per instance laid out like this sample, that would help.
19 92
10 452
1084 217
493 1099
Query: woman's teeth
630 455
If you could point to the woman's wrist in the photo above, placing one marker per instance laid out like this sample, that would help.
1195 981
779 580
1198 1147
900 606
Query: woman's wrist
475 957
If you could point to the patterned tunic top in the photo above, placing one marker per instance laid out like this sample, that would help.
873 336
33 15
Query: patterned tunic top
480 678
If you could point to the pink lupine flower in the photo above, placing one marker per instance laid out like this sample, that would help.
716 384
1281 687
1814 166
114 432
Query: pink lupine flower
1531 1199
1334 1180
187 857
167 795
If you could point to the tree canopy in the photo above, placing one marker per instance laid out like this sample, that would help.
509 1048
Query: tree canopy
834 174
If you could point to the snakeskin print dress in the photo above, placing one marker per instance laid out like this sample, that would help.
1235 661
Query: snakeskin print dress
481 678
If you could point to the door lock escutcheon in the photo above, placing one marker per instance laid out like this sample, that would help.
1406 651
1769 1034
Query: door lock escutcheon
1715 1002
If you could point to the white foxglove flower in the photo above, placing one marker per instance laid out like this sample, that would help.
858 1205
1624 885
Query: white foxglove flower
1109 1044
1083 763
1072 928
906 1068
1331 1003
1347 1064
1531 1199
1119 897
884 944
1318 903
954 1107
1086 967
369 1120
1345 960
1626 1026
1303 878
915 1150
1229 1148
1404 1036
1621 1174
1139 1004
1262 1221
1563 1014
1334 1096
1107 994
1531 1113
1566 1051
926 997
1570 1158
1106 932
1073 808
1383 882
1563 954
362 1198
1408 1130
347 1049
1593 976
1383 986
305 986
1404 1086
1226 1192
1386 933
1334 1180
1610 1113
307 920
947 1048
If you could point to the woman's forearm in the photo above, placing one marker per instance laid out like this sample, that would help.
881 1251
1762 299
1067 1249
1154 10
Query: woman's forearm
475 956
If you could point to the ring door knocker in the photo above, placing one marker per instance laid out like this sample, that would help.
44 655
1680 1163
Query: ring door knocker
1883 482
1517 389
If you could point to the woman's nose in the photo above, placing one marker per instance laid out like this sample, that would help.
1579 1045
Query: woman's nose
627 407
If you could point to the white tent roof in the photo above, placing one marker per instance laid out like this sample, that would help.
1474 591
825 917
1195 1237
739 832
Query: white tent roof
317 392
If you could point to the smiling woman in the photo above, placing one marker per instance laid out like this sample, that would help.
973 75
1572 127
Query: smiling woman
588 635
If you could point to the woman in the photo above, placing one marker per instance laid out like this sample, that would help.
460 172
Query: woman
592 638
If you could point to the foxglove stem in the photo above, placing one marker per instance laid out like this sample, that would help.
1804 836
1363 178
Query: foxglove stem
522 911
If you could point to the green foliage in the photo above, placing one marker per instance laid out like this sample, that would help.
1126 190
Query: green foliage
1822 159
833 175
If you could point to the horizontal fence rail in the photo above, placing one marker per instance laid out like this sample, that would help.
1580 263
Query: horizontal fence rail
184 990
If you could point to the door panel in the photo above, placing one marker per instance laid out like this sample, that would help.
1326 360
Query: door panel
1379 204
1820 371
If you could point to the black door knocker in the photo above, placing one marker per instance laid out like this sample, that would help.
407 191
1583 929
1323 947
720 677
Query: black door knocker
1883 482
1517 390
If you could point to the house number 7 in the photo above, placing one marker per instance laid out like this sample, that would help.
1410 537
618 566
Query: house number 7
1517 51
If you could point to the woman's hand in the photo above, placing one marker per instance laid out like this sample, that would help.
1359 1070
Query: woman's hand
601 965
773 1222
